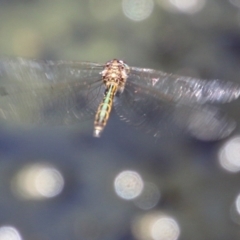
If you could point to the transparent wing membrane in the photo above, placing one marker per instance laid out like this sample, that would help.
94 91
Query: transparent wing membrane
47 92
158 115
135 107
185 89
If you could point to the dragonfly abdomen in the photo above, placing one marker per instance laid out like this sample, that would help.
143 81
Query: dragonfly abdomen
104 110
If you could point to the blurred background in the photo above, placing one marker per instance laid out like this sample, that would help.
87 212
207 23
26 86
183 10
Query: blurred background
62 183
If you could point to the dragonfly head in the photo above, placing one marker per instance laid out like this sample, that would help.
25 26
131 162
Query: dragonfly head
119 64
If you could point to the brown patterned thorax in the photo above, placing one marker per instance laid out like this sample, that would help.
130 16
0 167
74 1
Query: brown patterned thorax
115 72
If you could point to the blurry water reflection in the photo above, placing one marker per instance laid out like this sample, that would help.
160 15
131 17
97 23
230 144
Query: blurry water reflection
237 204
185 6
38 181
9 233
229 155
149 197
137 10
128 185
235 210
156 226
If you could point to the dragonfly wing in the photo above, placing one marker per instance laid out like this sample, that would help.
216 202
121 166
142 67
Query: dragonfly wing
47 92
184 89
159 116
142 111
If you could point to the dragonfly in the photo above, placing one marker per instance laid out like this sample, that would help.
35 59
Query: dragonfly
67 92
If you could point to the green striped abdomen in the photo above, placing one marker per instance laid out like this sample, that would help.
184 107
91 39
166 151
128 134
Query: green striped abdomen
104 110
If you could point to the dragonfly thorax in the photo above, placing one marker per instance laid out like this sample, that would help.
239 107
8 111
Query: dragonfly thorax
115 73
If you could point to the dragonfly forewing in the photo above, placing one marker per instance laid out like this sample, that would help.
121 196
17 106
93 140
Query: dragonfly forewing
155 102
47 92
176 88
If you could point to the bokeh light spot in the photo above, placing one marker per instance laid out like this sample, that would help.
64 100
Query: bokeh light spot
237 204
149 197
155 226
165 228
9 233
38 181
235 210
137 10
229 155
128 185
184 6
